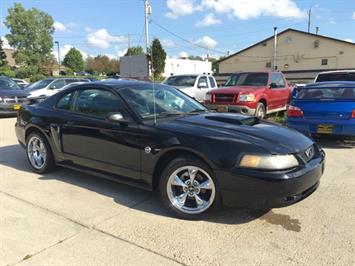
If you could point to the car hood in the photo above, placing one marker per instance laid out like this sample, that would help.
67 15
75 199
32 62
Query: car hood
40 92
272 138
236 89
12 93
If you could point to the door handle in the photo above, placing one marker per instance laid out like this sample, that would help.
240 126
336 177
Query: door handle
70 123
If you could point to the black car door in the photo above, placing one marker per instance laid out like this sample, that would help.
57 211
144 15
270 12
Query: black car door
90 140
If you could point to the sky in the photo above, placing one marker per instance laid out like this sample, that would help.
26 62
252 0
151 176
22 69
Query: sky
185 27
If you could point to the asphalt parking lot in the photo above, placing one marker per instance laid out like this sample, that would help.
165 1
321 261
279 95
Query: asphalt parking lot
69 218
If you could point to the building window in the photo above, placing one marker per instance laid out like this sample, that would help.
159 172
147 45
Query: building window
268 65
324 62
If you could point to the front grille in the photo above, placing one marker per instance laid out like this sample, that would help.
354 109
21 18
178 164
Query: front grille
224 98
14 99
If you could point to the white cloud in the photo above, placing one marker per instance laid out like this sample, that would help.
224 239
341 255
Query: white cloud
353 16
58 26
179 8
102 39
167 43
183 55
349 40
206 42
111 56
246 9
5 43
332 22
63 50
208 20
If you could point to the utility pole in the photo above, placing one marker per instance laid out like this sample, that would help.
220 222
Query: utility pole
147 13
129 41
57 43
309 12
274 62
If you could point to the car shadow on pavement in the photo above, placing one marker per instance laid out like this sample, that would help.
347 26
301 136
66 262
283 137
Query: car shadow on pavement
333 142
14 156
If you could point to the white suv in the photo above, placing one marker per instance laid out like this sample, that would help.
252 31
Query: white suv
196 86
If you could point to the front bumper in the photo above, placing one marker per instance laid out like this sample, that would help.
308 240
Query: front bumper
7 109
231 108
253 189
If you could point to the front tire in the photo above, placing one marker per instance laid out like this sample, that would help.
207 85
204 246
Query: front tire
187 188
260 111
39 153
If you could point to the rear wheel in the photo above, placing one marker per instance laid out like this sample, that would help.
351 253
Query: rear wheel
260 111
39 153
187 188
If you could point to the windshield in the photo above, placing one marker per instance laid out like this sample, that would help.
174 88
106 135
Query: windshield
346 76
168 101
181 81
39 85
8 84
252 79
232 81
325 93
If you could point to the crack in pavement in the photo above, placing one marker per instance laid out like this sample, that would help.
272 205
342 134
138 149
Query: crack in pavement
91 228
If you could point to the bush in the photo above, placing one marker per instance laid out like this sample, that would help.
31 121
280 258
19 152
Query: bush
7 71
37 77
26 72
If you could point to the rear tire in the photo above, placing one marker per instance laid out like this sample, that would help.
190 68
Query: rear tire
260 111
188 188
39 153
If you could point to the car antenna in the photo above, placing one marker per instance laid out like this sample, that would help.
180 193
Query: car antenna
153 87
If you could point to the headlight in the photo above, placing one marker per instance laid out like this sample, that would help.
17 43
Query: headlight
269 162
246 98
1 99
208 98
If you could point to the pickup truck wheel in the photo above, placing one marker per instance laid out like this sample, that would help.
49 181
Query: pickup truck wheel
260 111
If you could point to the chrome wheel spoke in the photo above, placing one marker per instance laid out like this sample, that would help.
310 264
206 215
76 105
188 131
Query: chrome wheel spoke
206 185
36 152
192 173
178 182
181 199
200 201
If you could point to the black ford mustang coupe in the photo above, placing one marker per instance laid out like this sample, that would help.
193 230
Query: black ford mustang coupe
157 138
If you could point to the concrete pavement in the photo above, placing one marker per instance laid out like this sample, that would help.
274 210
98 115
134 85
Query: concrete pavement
69 218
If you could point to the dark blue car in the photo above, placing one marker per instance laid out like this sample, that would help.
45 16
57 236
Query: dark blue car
323 108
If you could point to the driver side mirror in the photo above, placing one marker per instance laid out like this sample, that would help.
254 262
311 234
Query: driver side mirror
202 85
53 87
273 85
117 118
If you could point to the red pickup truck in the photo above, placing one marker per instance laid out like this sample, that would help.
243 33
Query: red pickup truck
253 93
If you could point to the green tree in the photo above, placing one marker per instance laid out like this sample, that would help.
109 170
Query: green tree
31 36
158 58
135 50
192 57
74 60
102 64
3 60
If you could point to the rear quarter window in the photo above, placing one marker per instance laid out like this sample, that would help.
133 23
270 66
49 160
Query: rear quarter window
326 93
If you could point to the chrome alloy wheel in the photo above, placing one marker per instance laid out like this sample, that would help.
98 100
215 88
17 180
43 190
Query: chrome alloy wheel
191 189
36 152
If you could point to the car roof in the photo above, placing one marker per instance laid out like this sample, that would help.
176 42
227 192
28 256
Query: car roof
346 84
337 71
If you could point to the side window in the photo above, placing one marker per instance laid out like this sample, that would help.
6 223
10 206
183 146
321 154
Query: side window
58 84
64 102
202 82
273 81
97 102
212 83
280 81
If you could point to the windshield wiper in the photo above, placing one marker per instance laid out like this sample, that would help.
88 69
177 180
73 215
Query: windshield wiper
167 114
197 111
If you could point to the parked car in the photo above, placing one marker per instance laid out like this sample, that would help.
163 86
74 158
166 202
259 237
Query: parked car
196 86
39 96
159 139
252 93
11 96
338 75
47 87
21 82
324 108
